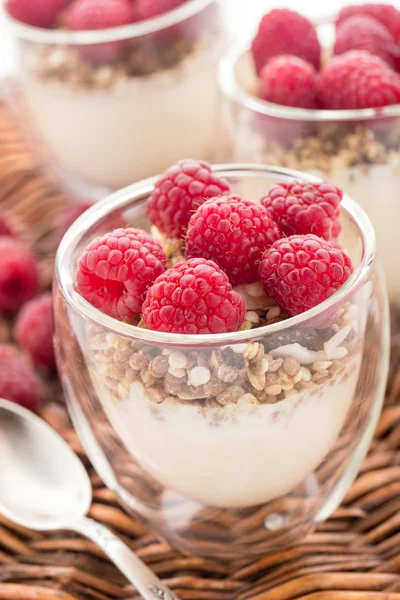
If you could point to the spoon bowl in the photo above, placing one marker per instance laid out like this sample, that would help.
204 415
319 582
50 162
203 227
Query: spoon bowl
43 484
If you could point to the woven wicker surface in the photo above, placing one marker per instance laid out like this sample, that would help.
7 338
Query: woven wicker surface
353 556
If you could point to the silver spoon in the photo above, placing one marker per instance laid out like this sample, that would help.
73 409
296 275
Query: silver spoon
44 486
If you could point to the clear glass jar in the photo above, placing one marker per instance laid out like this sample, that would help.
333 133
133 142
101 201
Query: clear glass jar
358 150
235 444
105 108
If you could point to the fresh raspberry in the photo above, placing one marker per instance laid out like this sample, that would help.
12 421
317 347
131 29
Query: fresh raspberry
18 381
233 233
289 80
283 31
85 15
386 14
147 9
193 297
5 226
357 79
34 330
68 216
302 271
365 33
179 192
38 13
116 269
18 274
301 207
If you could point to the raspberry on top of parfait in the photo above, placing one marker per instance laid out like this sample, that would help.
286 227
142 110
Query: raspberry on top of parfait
361 71
179 192
85 15
200 285
234 233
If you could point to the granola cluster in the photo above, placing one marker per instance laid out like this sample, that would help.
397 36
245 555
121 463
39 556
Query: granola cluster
325 148
65 64
278 366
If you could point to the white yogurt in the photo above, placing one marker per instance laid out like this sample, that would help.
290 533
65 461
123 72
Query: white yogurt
256 454
140 126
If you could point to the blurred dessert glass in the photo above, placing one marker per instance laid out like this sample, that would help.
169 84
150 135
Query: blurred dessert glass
98 124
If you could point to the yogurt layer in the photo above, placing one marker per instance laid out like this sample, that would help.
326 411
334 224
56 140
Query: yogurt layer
250 456
112 137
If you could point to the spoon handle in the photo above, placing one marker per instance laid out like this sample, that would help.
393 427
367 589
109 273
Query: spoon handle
145 581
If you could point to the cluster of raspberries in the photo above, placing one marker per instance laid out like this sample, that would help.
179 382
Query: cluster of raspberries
288 241
85 15
29 314
89 15
362 73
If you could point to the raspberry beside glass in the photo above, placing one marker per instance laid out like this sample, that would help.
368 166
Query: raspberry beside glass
243 428
345 127
106 80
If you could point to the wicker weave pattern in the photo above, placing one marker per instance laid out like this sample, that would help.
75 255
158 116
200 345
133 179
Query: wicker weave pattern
354 556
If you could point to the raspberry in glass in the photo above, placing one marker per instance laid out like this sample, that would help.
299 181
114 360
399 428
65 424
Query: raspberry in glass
357 79
301 207
290 81
179 192
193 297
234 233
116 269
301 271
284 31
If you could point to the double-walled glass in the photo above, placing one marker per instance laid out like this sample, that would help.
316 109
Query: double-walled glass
105 108
358 150
233 444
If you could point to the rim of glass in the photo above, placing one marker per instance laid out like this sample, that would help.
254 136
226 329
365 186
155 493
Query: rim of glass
232 89
65 37
136 193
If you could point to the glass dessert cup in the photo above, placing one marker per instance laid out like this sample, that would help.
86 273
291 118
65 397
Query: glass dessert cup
358 150
236 444
78 108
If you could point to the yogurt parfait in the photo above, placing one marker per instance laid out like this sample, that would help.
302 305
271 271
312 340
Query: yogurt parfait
98 81
324 99
223 342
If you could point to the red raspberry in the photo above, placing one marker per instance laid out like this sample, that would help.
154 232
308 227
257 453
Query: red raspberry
38 13
5 226
386 14
302 271
116 269
147 9
179 192
193 297
18 274
68 216
357 79
365 33
18 381
289 80
34 330
284 31
301 207
232 232
100 14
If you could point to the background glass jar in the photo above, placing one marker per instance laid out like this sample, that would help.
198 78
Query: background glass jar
233 444
358 150
105 108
